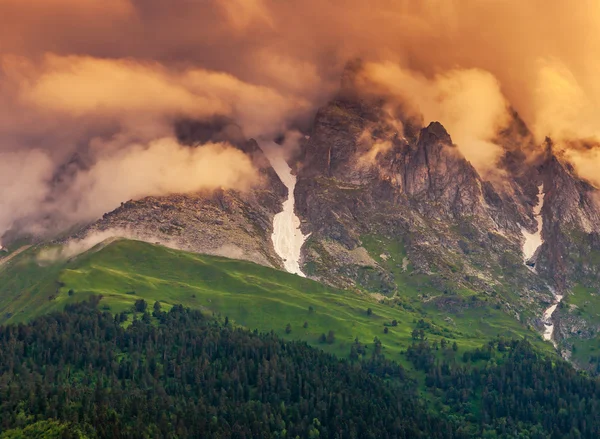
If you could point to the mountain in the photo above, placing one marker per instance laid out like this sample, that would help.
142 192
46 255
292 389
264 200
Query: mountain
433 287
223 222
395 213
417 209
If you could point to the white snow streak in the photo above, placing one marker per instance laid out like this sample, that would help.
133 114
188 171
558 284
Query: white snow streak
533 241
549 331
287 236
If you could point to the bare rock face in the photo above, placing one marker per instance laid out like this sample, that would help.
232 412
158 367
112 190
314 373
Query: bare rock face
418 208
571 228
225 223
419 192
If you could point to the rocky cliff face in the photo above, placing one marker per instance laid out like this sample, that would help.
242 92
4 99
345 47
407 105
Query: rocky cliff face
572 223
225 223
363 187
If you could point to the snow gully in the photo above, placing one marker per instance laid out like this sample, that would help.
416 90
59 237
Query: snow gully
287 236
533 241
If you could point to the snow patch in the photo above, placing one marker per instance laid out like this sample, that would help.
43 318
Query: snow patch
287 236
405 262
549 325
533 241
586 224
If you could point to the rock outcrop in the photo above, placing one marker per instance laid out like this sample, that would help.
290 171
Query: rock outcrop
224 222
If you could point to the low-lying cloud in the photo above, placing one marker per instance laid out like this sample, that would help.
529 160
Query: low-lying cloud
134 91
122 112
161 167
469 103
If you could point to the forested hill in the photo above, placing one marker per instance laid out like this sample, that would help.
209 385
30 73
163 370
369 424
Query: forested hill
182 376
177 374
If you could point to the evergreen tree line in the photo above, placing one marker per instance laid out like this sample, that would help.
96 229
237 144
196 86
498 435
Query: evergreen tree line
178 374
181 375
508 390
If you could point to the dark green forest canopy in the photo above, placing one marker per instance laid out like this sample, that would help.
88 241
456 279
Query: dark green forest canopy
177 374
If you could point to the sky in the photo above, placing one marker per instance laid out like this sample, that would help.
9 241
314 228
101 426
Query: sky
90 89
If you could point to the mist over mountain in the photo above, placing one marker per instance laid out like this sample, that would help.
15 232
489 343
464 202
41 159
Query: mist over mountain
386 199
77 106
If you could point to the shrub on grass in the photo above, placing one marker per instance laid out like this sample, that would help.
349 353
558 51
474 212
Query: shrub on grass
141 305
330 337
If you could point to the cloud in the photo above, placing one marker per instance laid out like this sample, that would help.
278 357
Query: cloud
565 109
242 13
302 46
375 148
33 25
75 247
39 7
117 117
161 167
24 181
82 85
586 161
79 86
77 76
469 103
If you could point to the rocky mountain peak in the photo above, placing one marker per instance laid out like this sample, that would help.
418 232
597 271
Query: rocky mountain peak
361 176
435 133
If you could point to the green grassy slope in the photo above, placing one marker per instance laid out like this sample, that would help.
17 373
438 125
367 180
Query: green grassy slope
582 307
250 295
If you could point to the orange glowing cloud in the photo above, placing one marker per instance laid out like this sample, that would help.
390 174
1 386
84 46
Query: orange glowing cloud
85 86
28 25
73 71
469 103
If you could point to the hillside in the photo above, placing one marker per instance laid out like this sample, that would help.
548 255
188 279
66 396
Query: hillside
181 376
248 294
